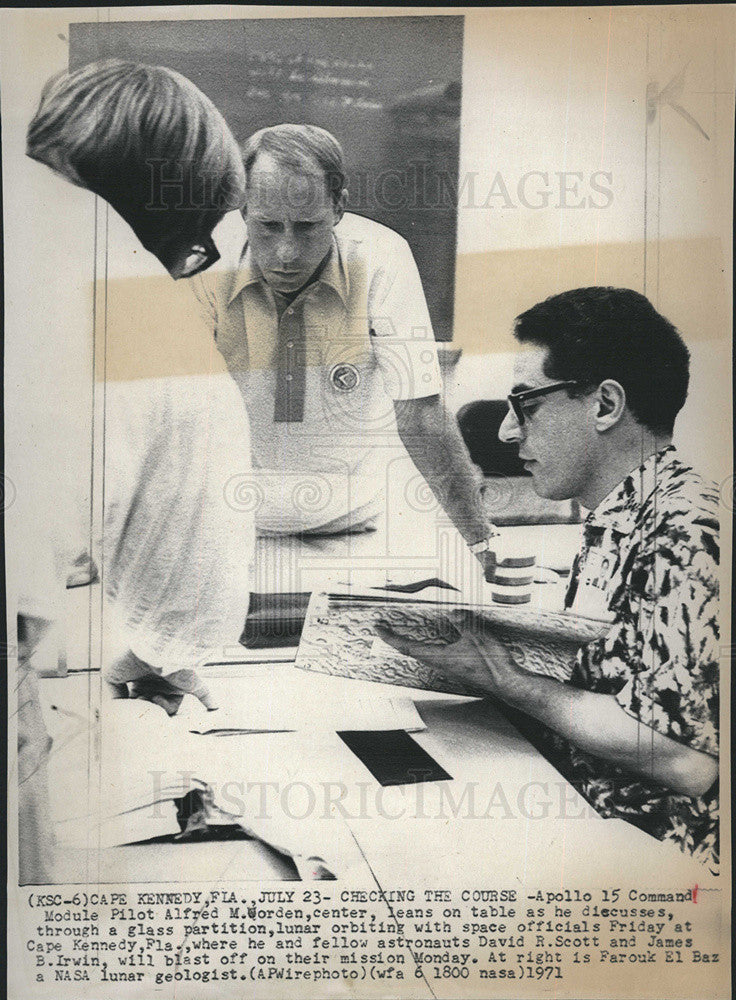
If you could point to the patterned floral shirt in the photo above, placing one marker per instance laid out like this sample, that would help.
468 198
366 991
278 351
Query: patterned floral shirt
649 559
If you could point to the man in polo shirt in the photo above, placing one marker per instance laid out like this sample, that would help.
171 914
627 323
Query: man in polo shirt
598 387
321 317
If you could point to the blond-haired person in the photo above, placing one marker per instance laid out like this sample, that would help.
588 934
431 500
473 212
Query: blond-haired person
174 554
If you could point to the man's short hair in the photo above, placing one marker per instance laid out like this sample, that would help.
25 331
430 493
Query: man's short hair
301 148
593 334
124 129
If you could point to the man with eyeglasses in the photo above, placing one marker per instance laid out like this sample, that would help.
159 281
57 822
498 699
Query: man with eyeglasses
598 386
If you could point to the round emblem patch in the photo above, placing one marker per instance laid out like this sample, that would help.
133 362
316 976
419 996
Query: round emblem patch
344 376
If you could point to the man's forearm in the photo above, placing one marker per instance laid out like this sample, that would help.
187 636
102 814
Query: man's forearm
598 725
431 437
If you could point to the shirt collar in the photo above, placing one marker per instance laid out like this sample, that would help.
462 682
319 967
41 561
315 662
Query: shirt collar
334 273
621 508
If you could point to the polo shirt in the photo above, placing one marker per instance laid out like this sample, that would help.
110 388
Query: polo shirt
320 379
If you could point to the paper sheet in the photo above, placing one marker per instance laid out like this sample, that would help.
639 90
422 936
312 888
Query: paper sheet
366 712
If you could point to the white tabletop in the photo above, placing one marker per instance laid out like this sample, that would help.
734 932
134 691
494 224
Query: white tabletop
506 816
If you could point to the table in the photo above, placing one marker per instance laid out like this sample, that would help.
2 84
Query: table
506 818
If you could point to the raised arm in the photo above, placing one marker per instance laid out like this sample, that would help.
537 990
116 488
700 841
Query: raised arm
407 353
431 436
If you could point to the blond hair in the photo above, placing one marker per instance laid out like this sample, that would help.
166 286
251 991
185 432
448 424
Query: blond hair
147 140
300 147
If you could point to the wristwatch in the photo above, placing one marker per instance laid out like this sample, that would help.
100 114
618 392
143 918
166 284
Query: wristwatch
489 544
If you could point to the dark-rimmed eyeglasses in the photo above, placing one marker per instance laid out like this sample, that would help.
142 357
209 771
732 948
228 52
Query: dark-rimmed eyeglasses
192 260
518 399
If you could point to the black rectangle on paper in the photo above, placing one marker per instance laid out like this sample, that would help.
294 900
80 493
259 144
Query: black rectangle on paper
393 757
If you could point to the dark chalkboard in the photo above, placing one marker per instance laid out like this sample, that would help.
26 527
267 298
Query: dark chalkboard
387 87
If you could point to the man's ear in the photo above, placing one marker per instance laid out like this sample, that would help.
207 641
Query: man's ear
610 403
340 206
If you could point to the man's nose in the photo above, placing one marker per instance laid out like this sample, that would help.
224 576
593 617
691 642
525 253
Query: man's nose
288 248
510 430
